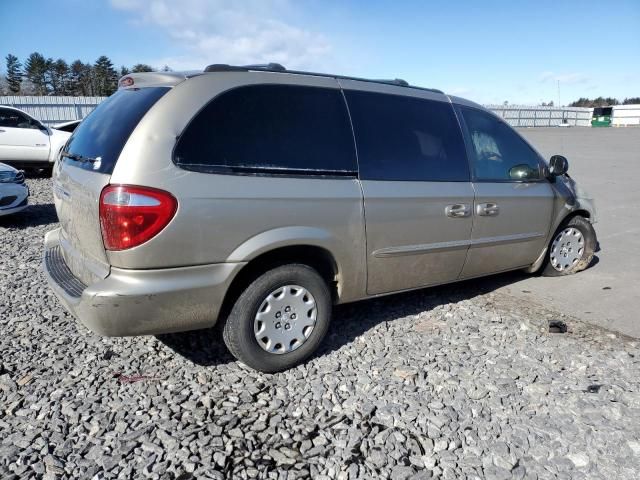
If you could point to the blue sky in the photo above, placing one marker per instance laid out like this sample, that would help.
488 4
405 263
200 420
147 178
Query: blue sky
489 51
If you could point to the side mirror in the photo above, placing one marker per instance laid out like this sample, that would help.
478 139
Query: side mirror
558 165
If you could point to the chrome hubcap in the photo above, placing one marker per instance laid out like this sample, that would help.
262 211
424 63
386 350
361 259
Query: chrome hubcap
285 319
567 249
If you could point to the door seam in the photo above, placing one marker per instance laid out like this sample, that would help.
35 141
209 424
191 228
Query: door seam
473 220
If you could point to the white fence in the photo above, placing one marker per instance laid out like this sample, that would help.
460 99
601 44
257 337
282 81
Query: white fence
527 116
52 110
625 115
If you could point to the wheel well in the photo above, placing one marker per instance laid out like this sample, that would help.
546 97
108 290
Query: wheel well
576 213
317 258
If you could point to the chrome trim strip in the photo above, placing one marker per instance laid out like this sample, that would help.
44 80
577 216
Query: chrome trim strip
454 245
421 249
504 239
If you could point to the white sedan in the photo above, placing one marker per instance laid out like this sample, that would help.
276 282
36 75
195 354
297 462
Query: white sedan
26 143
14 194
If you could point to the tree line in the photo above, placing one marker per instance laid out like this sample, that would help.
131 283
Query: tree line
604 102
39 75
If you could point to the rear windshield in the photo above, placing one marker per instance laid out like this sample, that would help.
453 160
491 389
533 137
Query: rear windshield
102 135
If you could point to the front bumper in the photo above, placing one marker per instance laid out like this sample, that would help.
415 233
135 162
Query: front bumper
14 197
140 302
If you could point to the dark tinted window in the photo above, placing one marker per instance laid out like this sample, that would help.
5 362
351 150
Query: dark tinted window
499 152
14 119
270 128
105 131
407 138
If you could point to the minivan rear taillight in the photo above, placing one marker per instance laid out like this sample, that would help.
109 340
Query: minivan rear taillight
131 215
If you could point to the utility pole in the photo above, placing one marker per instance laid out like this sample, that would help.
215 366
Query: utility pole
559 104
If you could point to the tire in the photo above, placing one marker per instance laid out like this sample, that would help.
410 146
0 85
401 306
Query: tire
239 331
578 261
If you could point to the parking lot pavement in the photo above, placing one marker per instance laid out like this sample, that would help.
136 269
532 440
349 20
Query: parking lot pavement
606 162
462 381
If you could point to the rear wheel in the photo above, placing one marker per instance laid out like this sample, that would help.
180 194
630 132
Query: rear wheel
280 319
571 249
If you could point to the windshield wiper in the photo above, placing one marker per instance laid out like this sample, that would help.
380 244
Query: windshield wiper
80 158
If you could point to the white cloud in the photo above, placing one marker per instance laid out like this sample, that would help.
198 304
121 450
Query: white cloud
566 78
221 31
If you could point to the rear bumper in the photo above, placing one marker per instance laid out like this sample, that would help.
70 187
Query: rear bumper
140 302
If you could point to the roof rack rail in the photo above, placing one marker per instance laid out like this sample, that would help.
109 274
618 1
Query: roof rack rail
276 67
395 81
223 67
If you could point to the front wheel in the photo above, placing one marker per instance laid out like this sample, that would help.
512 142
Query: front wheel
280 319
571 249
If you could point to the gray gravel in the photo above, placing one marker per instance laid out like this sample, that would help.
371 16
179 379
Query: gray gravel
454 382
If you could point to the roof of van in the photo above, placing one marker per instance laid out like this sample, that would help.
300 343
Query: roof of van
148 79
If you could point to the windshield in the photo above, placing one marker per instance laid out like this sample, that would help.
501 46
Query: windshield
102 135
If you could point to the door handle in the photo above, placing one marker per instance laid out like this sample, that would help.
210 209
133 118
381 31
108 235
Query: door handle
487 209
457 210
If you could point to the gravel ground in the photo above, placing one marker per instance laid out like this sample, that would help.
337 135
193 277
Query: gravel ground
454 382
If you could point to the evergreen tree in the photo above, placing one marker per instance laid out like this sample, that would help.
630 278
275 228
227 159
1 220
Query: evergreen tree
141 67
89 79
105 77
596 102
75 78
36 71
58 75
14 74
124 71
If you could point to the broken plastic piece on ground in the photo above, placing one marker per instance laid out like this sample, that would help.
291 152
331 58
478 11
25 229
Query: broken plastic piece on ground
132 378
109 354
557 326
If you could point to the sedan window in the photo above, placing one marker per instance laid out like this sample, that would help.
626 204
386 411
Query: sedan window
9 118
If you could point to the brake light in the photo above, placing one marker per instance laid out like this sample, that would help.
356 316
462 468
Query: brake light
131 215
126 82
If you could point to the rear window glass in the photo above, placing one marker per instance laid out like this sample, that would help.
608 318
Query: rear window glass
270 129
407 138
104 132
